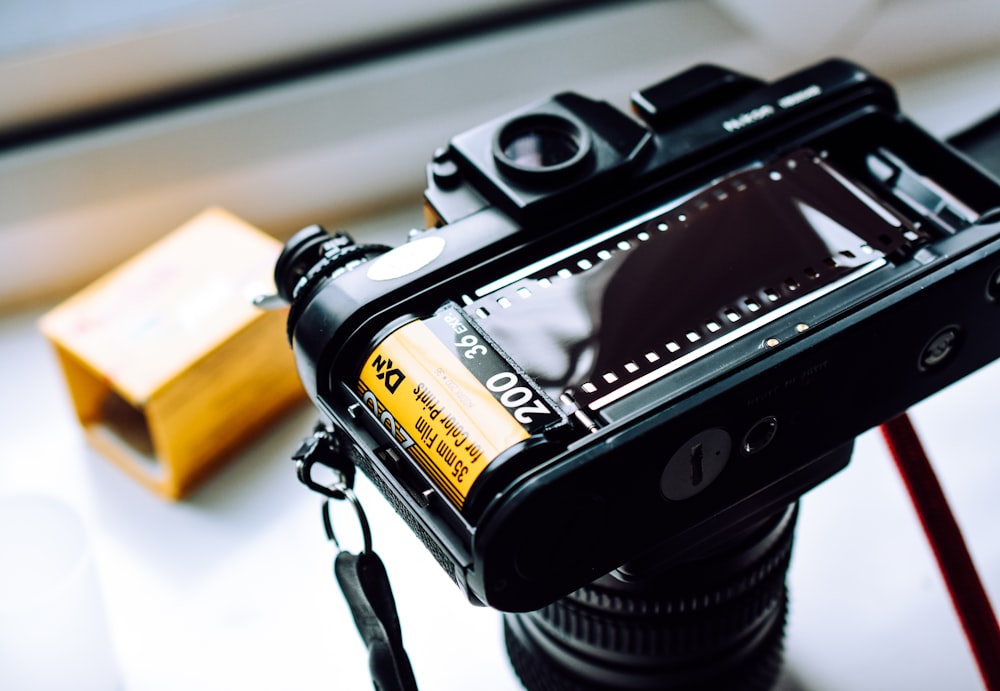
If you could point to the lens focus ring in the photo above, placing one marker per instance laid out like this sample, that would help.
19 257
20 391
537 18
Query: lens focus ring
717 622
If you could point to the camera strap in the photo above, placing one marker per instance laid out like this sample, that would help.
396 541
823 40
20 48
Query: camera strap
968 595
361 576
365 584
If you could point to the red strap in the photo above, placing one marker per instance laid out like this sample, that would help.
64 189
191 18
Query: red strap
966 590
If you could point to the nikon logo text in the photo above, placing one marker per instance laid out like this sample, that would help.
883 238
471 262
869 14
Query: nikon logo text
748 118
800 96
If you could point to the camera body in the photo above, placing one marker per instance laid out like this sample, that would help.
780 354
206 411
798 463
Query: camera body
621 339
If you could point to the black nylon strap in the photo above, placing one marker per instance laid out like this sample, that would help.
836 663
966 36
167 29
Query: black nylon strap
365 584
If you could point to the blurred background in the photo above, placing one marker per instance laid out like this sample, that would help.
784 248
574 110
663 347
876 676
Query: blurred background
121 120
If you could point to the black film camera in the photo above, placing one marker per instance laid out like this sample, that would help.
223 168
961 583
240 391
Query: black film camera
626 346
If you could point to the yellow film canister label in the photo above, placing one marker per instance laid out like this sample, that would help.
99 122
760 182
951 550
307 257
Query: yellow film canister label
449 399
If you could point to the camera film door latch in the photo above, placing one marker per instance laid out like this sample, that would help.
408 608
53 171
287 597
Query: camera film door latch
361 576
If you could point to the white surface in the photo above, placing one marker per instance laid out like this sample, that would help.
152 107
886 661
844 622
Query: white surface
51 606
233 589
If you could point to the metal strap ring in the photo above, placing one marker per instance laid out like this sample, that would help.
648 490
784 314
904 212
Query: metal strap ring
342 492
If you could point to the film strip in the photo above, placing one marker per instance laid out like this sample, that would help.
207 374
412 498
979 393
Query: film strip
632 304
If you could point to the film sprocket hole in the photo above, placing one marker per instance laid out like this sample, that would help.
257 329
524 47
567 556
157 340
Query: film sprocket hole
625 347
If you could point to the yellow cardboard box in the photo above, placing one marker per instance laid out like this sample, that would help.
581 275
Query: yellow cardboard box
169 364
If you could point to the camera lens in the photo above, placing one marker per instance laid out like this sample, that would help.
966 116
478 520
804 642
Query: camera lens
715 622
542 147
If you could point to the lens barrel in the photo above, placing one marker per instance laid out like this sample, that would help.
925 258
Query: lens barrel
715 622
